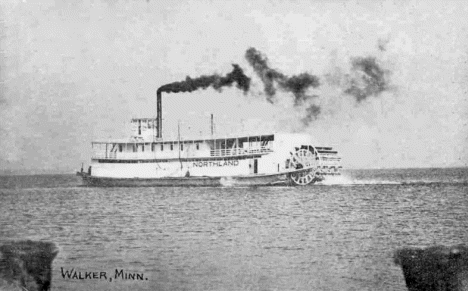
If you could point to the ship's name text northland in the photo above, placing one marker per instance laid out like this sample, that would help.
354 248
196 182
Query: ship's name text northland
233 163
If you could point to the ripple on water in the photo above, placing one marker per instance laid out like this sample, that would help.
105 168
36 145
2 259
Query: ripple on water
329 237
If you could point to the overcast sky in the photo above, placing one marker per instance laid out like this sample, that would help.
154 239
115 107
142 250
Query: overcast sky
77 71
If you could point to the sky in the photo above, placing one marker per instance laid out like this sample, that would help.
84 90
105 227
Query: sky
77 71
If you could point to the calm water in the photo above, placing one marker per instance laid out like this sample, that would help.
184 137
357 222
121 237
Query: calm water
338 236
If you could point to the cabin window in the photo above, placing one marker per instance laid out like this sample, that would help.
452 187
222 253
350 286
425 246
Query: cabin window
172 147
152 147
162 147
142 147
181 146
198 146
120 148
134 148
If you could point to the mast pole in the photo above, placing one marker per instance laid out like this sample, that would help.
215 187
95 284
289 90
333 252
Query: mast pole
178 146
212 125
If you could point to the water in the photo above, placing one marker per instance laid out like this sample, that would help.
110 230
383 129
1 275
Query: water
337 236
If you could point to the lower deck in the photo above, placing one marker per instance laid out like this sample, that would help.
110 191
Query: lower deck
183 168
258 180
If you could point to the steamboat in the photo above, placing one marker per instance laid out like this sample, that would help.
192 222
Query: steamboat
147 159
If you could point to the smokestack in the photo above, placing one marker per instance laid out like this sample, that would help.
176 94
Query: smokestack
188 85
159 114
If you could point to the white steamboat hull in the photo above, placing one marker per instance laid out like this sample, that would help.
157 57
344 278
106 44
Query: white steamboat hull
277 179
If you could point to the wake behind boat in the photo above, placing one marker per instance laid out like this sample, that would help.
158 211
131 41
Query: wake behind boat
147 159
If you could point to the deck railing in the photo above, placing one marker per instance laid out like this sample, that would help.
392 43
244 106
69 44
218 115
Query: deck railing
240 151
121 156
101 154
330 160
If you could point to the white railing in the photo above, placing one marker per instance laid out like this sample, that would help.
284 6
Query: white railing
330 160
124 156
330 164
330 157
104 155
240 151
101 154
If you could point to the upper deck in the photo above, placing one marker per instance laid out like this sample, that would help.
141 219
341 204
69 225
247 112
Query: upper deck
141 150
144 146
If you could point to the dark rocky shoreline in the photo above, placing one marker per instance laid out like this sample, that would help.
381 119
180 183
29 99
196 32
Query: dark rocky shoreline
27 264
436 268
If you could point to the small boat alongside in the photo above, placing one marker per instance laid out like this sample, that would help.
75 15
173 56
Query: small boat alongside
147 159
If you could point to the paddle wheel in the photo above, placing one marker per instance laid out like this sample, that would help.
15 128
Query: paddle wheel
308 159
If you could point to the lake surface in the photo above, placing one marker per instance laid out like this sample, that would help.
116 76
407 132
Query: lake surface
337 236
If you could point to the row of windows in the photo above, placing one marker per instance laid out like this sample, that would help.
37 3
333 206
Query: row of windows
153 146
117 161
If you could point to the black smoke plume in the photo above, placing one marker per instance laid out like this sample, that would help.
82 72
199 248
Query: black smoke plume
367 78
370 79
215 81
297 84
311 114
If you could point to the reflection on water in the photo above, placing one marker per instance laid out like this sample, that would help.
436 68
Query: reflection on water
326 237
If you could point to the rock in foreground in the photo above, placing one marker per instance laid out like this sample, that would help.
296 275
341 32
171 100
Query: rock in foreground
27 264
437 268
